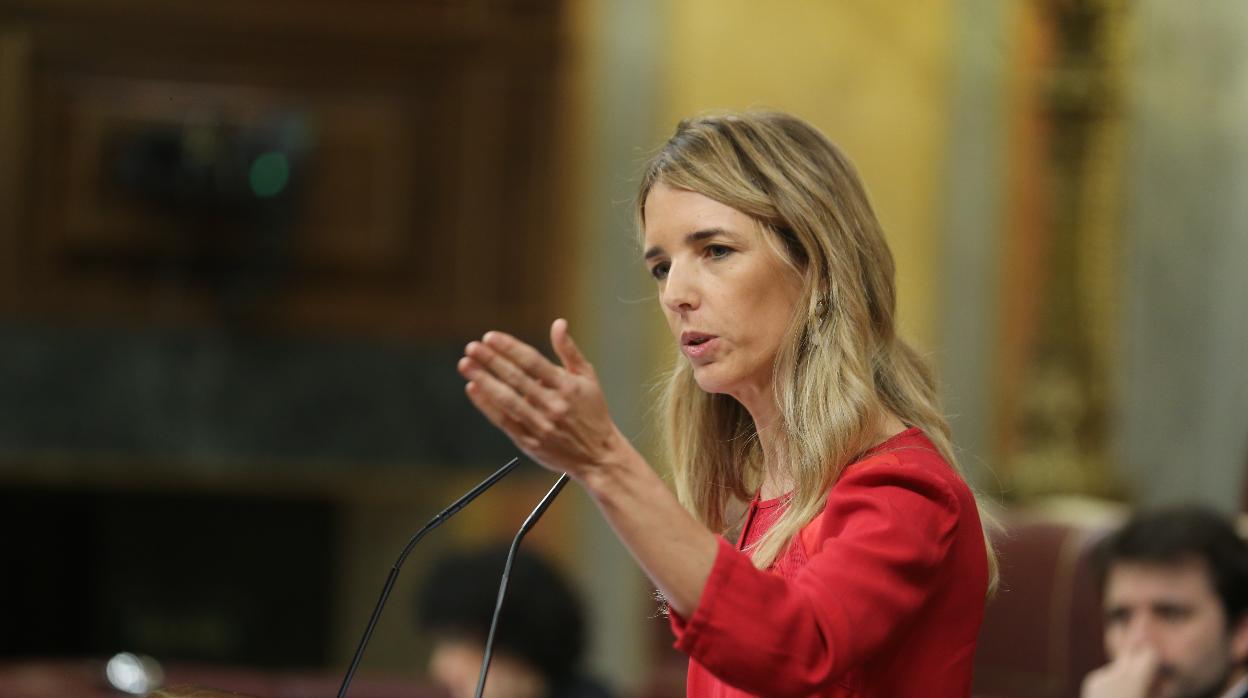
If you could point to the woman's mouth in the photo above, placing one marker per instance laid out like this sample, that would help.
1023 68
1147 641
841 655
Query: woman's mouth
697 345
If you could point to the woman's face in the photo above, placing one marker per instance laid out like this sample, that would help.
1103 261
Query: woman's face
727 294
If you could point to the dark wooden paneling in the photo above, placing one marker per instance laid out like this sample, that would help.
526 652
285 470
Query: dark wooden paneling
424 205
219 579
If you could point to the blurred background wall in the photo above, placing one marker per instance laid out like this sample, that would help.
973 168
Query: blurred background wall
242 245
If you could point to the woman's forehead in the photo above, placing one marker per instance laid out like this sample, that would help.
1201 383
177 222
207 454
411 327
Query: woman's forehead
672 212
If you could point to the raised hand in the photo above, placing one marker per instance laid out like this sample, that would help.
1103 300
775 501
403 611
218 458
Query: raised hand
1132 675
557 415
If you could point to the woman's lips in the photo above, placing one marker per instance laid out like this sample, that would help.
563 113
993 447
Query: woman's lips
700 349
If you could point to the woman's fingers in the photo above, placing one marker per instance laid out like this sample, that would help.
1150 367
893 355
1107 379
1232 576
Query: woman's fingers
477 394
525 358
514 429
568 352
506 370
554 413
499 401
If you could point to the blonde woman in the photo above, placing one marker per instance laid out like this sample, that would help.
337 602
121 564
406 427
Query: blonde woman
860 565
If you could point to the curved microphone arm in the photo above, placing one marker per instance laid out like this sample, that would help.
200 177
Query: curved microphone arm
436 521
540 509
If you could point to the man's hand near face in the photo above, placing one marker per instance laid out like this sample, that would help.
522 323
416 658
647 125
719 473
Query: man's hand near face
1133 674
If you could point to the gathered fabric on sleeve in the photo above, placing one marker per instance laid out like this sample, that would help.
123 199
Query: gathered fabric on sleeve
882 594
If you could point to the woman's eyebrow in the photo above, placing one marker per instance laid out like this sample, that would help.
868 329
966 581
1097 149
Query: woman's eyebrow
696 236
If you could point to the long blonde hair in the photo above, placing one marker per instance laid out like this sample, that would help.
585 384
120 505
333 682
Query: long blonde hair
842 368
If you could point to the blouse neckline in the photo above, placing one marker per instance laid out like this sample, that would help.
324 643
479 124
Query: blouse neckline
758 503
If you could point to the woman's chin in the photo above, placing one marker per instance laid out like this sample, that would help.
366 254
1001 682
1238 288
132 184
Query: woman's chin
708 381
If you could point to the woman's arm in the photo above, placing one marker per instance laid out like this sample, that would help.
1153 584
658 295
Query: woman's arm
883 549
885 536
558 416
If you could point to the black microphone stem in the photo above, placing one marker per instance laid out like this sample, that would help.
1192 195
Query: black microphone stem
436 521
540 509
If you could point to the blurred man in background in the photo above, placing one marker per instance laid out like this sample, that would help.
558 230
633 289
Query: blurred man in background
1175 593
540 637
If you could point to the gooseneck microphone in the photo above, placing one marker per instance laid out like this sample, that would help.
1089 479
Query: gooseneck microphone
436 521
536 514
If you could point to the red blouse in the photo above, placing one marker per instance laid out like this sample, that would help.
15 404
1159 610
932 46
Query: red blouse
881 595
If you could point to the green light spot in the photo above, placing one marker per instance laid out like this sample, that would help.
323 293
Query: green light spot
270 173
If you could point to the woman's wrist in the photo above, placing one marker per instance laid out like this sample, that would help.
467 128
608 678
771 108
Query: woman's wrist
611 474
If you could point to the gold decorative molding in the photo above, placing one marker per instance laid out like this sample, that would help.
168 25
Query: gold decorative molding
1057 394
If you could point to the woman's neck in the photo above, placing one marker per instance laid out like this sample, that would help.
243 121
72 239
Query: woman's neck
777 480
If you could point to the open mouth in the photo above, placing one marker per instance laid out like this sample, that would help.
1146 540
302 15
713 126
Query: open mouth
691 340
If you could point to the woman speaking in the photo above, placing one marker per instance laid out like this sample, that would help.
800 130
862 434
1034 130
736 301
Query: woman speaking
796 421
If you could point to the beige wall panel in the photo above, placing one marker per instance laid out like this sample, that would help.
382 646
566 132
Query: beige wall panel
873 76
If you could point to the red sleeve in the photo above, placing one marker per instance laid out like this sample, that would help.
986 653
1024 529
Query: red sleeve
886 529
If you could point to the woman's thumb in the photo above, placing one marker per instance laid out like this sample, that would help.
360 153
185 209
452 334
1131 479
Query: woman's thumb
571 357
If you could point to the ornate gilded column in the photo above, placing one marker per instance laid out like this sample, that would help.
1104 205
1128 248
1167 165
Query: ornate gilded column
1061 256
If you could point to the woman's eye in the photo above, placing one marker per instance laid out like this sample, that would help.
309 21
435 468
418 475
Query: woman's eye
718 251
659 271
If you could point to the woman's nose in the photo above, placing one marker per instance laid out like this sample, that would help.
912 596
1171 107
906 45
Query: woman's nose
680 292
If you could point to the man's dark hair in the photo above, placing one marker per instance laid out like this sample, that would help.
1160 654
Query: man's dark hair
541 623
1174 536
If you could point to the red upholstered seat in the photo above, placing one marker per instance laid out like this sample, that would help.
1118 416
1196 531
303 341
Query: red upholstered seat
1042 631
